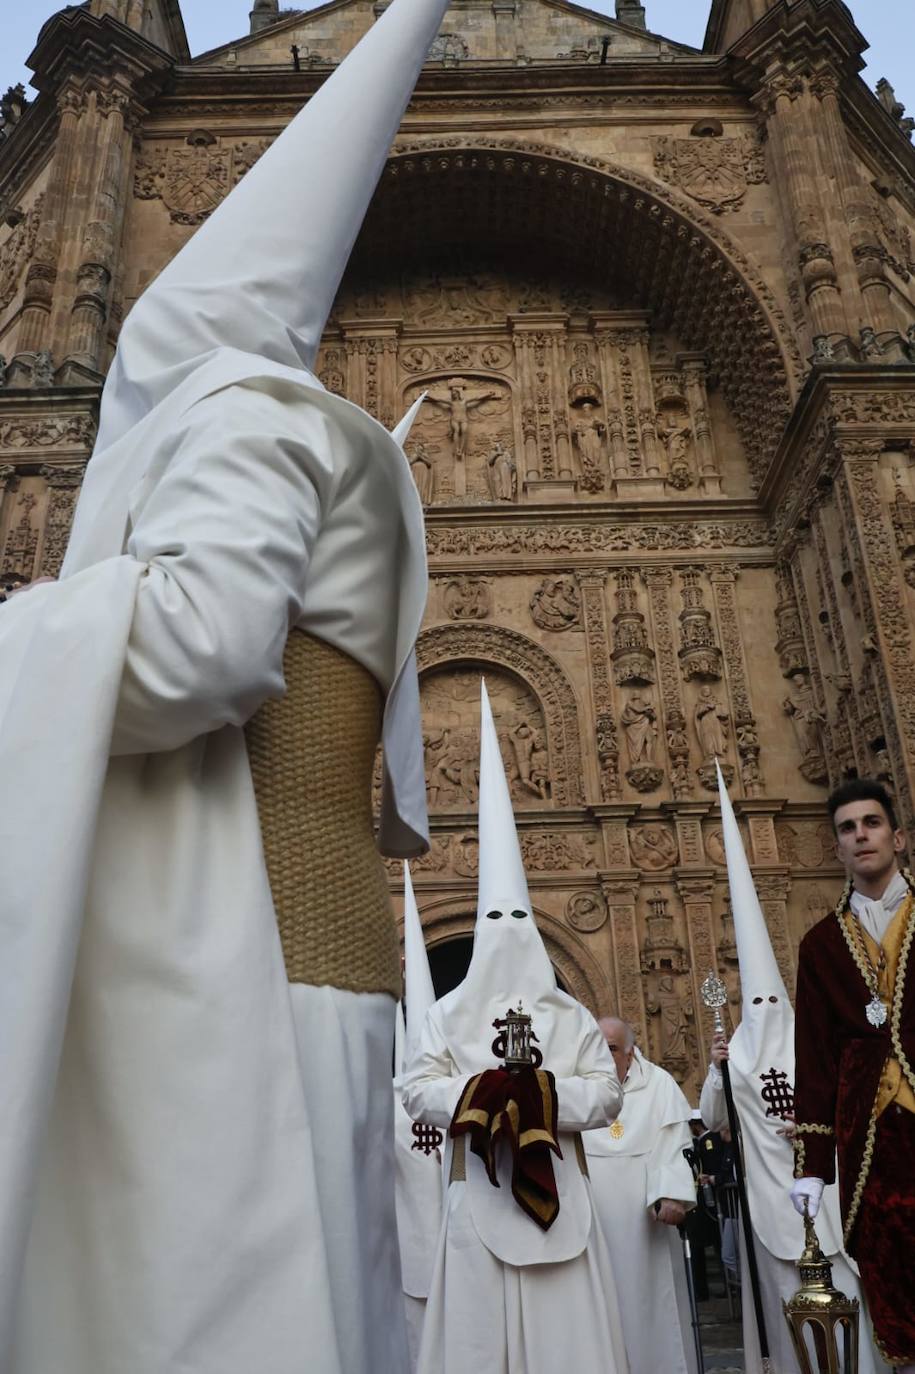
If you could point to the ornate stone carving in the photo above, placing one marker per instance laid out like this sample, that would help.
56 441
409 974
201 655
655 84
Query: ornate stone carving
503 473
809 724
17 250
714 171
452 739
632 656
64 484
21 547
468 598
556 604
463 541
51 432
639 723
546 686
587 911
584 378
699 655
790 647
588 432
712 724
653 847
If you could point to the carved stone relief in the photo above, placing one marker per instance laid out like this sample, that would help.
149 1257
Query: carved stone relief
653 847
451 715
715 171
556 604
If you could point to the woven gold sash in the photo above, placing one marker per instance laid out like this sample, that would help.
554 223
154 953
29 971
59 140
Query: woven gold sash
312 756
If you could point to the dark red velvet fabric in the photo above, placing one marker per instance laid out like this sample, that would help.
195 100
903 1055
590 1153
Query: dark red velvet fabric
840 1056
885 1235
533 1093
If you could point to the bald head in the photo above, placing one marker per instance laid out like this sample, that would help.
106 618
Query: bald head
620 1038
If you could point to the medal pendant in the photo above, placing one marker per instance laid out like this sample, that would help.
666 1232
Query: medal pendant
876 1012
616 1130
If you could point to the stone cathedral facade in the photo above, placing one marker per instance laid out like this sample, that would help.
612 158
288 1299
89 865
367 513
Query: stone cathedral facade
662 305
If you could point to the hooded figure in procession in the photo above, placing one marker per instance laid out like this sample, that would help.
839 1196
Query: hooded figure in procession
198 957
418 1149
522 1281
761 1062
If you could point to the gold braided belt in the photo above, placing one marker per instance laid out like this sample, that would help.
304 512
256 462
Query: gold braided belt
312 756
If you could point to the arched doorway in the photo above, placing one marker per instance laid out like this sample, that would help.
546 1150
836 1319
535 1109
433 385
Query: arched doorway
449 961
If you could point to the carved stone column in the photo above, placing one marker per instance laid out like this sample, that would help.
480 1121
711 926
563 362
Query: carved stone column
33 333
592 582
784 101
846 723
835 758
867 253
773 890
619 451
886 615
659 582
694 377
620 896
696 890
723 578
63 486
105 218
545 417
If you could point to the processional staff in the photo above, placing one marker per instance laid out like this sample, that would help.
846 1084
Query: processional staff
714 996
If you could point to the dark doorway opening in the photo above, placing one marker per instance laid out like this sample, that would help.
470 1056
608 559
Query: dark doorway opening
449 961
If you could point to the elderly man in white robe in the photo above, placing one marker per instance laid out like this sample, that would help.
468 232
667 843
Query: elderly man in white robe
198 958
761 1067
522 1281
643 1189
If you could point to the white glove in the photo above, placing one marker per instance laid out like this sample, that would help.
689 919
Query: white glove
812 1190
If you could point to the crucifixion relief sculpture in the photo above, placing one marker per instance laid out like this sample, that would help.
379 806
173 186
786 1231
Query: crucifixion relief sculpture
458 400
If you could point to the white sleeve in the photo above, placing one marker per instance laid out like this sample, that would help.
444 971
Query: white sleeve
668 1175
593 1096
431 1084
225 540
712 1102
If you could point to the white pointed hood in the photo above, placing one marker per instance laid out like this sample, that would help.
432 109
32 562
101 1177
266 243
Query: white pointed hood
261 274
509 961
249 295
419 991
762 1049
766 1014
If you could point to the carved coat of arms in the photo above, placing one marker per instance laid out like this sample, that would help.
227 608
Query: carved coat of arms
714 171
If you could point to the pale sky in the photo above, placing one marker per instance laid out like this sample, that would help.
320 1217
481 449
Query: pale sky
888 24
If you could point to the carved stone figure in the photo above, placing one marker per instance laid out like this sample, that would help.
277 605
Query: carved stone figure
529 756
712 721
586 911
639 722
503 473
421 467
459 401
583 378
674 1015
588 435
653 847
468 598
809 723
43 369
556 604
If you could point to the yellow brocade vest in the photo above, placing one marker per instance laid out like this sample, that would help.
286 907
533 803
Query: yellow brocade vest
894 1086
312 757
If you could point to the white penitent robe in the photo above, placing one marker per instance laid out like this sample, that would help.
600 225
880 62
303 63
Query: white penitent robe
633 1165
171 1190
418 1196
505 1296
768 1184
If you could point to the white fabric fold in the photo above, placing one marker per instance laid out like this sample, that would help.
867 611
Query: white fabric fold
875 914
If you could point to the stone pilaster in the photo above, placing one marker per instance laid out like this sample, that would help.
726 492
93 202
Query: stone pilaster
620 896
592 582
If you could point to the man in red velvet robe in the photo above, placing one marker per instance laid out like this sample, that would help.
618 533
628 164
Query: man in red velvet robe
855 1045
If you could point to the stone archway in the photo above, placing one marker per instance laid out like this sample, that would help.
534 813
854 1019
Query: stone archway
604 219
453 917
453 645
